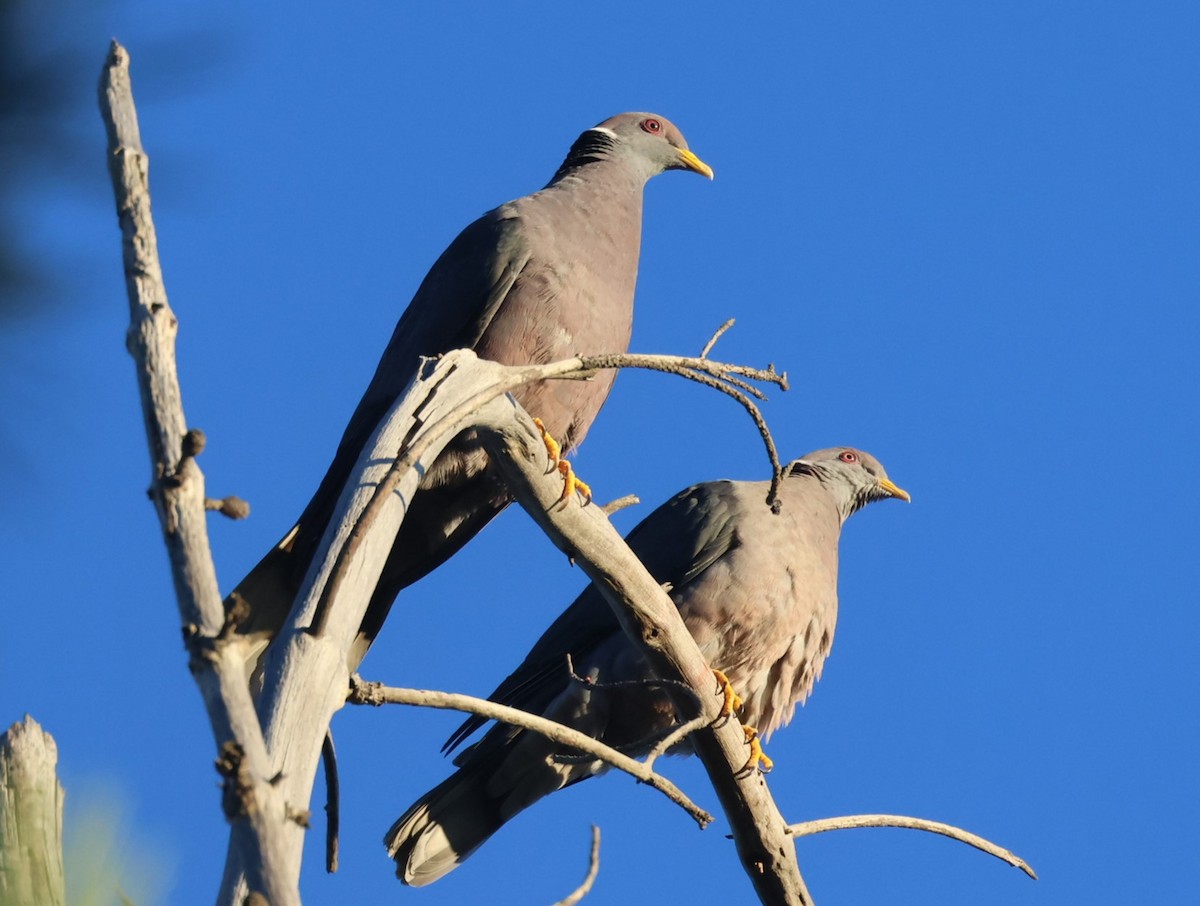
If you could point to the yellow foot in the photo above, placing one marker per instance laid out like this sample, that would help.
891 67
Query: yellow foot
552 447
571 482
733 701
758 758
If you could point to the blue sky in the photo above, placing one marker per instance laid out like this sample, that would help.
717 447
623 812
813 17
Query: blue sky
968 231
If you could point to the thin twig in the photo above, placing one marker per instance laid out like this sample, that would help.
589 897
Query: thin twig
620 503
676 736
713 339
746 387
714 375
366 693
807 828
654 744
333 799
593 869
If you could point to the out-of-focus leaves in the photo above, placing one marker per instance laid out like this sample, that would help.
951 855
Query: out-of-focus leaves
35 102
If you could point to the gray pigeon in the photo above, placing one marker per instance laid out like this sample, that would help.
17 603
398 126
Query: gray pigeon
757 591
539 279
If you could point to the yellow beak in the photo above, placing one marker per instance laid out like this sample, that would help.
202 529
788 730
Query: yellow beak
895 490
691 162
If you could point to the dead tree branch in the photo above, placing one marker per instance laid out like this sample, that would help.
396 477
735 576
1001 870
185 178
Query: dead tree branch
712 341
364 693
177 488
306 673
807 828
593 869
333 803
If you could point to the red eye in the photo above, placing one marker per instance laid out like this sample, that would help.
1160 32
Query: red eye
848 456
653 126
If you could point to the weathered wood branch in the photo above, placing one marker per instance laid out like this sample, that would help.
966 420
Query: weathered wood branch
364 693
306 675
31 814
821 825
255 810
590 878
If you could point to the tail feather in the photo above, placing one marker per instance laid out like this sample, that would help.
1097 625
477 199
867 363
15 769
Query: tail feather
454 819
441 829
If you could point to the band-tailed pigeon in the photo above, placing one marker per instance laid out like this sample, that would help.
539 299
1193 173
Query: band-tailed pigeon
539 279
757 591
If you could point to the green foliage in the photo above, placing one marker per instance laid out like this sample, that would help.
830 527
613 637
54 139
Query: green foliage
107 862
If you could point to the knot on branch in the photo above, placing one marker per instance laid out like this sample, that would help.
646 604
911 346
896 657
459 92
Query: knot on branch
363 692
231 507
237 791
194 443
190 447
202 648
237 611
300 816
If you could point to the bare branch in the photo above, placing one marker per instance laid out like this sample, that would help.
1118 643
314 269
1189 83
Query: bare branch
676 736
807 828
333 803
593 869
177 488
365 693
654 744
620 503
716 336
719 376
507 379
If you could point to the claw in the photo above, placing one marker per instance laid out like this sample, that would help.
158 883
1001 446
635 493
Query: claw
758 758
733 701
571 482
552 446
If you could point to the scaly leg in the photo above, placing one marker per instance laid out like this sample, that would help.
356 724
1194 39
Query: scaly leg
571 481
733 701
758 758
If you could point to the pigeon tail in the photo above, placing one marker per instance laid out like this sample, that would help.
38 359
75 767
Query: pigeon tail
442 828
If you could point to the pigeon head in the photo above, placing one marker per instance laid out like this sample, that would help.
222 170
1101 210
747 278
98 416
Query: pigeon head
853 478
646 142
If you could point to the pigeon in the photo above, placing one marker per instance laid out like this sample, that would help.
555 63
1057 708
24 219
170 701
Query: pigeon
758 593
539 279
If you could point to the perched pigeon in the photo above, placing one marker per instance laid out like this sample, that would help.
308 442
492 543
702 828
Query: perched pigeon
757 591
539 279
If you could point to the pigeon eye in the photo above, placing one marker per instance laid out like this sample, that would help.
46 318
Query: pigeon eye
653 126
848 456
